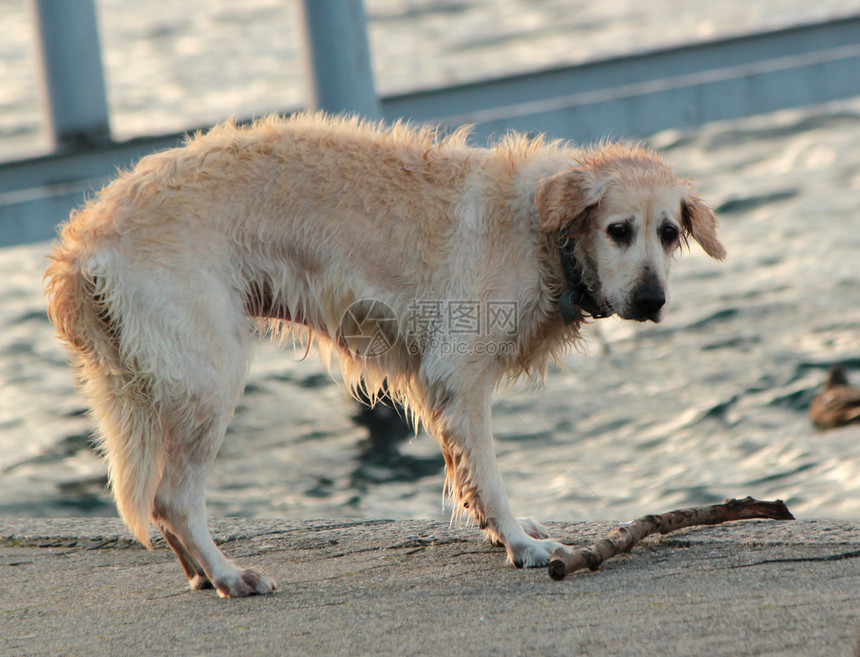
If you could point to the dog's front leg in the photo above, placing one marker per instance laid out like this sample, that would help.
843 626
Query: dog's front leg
473 480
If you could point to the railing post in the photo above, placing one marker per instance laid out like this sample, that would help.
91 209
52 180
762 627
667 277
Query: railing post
337 57
73 85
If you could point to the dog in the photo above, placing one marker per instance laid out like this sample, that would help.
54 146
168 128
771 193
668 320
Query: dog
429 268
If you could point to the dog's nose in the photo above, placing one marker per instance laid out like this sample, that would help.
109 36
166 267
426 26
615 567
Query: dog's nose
649 299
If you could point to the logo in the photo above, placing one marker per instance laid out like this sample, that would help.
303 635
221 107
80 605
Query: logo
368 328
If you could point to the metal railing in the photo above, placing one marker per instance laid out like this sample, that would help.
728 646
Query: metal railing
340 77
625 97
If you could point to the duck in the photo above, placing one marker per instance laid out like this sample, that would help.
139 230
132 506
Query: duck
838 403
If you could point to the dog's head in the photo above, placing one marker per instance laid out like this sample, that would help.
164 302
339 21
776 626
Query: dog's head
627 214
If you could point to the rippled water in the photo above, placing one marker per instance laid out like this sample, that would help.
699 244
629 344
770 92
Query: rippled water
711 403
172 66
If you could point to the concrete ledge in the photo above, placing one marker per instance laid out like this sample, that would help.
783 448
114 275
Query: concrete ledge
424 588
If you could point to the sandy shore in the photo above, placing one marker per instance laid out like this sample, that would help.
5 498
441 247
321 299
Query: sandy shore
380 588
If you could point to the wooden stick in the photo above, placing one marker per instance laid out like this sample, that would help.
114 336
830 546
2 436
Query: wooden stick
623 538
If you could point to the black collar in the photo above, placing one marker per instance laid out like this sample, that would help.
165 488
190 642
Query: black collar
577 298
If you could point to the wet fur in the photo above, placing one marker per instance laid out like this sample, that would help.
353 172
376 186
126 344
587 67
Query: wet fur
158 284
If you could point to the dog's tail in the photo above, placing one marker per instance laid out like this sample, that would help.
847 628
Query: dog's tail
81 283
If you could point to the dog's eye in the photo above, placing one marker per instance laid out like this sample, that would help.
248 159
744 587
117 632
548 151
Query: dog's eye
620 232
669 234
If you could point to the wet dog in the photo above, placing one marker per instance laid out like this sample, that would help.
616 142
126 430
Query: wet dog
425 266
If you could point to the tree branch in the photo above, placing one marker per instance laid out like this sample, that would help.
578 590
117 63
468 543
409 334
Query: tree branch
623 538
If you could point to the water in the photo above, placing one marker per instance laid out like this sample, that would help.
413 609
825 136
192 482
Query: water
709 404
173 65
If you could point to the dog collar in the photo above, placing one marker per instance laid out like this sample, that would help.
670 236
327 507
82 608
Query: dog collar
577 298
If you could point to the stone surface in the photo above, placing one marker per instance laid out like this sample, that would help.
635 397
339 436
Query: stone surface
84 587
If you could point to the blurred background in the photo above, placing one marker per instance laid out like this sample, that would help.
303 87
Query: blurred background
711 403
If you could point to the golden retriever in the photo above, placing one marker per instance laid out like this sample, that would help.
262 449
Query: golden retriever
429 268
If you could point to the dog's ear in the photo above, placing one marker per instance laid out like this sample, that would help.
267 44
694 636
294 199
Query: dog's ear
566 202
700 223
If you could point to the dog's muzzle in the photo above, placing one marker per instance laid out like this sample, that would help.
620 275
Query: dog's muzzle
648 300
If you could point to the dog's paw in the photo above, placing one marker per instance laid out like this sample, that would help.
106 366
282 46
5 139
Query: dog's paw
243 583
528 552
529 526
200 582
533 529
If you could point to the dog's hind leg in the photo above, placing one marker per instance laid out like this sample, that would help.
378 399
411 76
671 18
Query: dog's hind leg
194 571
180 512
160 344
182 358
193 417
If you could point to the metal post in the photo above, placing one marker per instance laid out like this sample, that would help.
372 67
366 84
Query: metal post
73 83
338 57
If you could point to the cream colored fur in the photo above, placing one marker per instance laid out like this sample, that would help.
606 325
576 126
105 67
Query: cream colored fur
158 284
